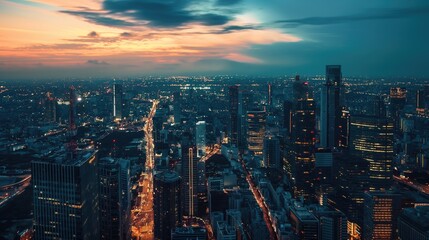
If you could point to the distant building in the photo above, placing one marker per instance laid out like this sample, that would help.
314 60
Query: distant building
381 211
114 198
50 108
200 138
234 116
398 99
332 224
413 223
117 101
167 203
272 152
189 180
65 197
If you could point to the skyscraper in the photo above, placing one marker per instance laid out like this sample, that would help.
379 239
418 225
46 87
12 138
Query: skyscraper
270 95
303 139
234 117
200 138
256 130
272 152
398 99
114 198
167 203
117 101
371 139
190 180
381 211
65 197
330 108
245 100
50 108
422 101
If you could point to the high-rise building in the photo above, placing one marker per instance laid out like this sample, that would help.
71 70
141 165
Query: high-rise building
190 180
331 109
117 101
422 101
50 108
371 139
272 152
256 131
245 102
167 203
381 212
114 198
303 139
398 99
177 108
200 138
270 95
65 197
234 117
413 223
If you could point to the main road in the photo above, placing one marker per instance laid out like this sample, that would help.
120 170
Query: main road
142 214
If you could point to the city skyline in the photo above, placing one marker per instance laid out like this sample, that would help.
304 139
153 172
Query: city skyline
47 39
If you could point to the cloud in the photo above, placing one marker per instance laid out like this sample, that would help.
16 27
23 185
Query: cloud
227 2
99 18
167 13
126 34
93 34
233 28
96 62
385 14
61 46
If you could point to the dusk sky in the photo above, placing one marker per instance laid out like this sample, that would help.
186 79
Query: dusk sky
82 38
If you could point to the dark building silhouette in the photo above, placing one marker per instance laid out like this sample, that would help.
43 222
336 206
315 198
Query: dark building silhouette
114 198
233 115
50 108
272 152
413 223
331 121
303 139
65 197
256 120
167 203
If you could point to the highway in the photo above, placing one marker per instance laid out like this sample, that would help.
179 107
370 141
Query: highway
8 192
142 213
259 199
416 186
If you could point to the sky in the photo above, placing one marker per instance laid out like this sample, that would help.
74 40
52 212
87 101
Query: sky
121 38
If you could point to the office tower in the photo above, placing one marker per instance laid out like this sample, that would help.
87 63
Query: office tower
353 181
114 198
413 223
189 233
272 152
65 197
50 108
304 224
117 101
330 108
190 180
380 109
167 203
270 95
371 139
177 108
256 130
422 101
332 224
381 211
303 138
344 128
234 117
287 116
398 99
72 129
200 138
245 102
